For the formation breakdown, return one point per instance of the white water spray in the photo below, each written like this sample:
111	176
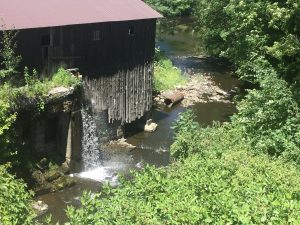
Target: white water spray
91	153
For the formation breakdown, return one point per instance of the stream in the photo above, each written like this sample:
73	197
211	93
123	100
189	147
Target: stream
181	45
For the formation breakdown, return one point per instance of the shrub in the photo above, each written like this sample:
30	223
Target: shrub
235	187
166	76
270	116
186	135
171	8
65	78
218	180
15	201
9	60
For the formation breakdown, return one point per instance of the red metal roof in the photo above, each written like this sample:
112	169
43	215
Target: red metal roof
23	14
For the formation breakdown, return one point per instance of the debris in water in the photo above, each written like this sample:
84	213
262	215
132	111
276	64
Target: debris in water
119	144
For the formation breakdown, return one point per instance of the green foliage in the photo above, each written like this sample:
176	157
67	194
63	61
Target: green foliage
166	76
224	174
8	57
186	133
212	20
34	94
159	55
173	8
15	200
262	39
225	184
270	116
30	79
240	30
65	79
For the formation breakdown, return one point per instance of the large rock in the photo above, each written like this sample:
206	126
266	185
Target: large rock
150	126
60	91
52	175
38	177
62	182
40	208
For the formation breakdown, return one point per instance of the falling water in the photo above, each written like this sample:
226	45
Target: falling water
91	154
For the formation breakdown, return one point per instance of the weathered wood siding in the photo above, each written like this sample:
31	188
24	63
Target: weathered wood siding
123	84
118	66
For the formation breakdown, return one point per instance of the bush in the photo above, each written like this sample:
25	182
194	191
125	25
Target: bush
186	135
270	116
65	78
171	8
234	187
9	60
15	201
166	76
218	180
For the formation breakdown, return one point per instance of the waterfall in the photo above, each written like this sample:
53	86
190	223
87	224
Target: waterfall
91	153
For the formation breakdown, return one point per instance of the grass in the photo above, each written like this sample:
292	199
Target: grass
38	89
166	76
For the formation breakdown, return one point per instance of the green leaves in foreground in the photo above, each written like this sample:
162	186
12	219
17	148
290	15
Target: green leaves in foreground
235	188
15	200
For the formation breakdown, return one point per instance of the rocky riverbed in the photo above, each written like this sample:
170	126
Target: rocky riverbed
199	88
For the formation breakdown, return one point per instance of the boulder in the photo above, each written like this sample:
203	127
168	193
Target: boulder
150	126
38	177
59	91
62	182
64	168
52	175
40	208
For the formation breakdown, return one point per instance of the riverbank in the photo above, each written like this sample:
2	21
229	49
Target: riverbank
150	148
200	88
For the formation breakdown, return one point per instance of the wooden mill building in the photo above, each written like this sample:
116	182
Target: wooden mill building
111	41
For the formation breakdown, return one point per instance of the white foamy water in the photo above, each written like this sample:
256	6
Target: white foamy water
91	154
117	163
100	174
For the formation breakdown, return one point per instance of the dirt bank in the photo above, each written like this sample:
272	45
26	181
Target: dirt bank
199	88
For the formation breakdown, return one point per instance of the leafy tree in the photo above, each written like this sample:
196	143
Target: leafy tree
241	30
9	59
173	8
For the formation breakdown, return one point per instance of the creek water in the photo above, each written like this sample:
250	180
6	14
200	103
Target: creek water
181	45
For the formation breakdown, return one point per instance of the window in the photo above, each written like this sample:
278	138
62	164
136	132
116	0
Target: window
131	31
96	35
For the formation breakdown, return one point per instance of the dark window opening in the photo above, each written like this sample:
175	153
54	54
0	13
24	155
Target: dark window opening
131	31
51	129
45	40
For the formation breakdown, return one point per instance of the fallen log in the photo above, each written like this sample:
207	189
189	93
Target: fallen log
173	98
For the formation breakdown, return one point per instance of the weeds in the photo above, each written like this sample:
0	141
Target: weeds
166	76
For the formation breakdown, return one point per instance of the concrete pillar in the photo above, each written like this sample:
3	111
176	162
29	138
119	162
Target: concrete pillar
73	147
69	144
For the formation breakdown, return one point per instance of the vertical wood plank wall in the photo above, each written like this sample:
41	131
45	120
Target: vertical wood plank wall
123	83
118	67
